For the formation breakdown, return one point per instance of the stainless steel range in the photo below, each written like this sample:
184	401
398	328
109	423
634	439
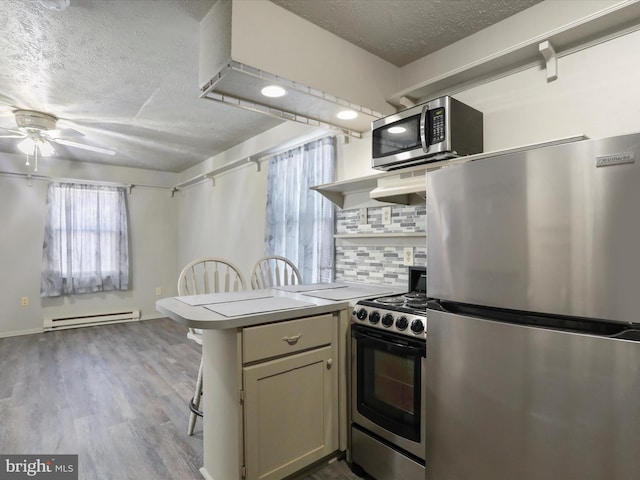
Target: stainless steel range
388	385
402	314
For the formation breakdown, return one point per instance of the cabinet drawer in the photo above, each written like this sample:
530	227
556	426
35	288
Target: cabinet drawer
265	341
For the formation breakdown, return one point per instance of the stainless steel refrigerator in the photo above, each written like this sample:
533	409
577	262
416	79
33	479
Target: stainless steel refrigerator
533	344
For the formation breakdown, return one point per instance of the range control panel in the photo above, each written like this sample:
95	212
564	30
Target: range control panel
397	322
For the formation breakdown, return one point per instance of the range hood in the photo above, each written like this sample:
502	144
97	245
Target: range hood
245	46
409	185
404	188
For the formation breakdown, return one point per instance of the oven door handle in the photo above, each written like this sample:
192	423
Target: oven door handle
389	344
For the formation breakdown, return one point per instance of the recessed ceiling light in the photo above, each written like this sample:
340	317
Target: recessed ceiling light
397	130
273	91
347	115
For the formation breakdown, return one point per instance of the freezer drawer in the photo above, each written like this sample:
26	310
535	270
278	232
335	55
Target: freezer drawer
508	402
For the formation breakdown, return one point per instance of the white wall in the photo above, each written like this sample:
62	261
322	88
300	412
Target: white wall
268	37
533	23
224	220
354	158
153	247
596	94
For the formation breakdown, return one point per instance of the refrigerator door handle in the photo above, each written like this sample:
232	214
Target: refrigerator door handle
601	328
631	334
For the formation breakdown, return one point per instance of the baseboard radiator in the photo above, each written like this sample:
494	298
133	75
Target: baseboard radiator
59	323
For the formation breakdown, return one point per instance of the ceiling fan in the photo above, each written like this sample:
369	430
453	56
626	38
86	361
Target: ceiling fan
38	131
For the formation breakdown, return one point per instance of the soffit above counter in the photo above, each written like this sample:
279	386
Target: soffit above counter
245	46
240	85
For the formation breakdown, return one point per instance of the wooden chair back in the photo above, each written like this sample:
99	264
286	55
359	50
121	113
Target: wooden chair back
209	275
274	271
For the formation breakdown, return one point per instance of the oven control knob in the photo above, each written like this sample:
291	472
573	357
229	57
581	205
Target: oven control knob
417	326
402	323
387	320
374	317
362	314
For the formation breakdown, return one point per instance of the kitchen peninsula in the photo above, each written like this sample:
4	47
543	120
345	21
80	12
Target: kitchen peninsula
274	396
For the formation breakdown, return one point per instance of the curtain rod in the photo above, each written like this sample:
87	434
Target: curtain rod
255	159
212	173
297	145
31	176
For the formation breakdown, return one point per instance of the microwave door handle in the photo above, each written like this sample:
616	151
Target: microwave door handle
423	128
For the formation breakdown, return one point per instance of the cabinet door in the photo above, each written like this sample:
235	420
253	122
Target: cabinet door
290	412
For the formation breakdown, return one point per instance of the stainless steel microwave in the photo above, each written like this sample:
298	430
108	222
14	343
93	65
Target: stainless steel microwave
435	130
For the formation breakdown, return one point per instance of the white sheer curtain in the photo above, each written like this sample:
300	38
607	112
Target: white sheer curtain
299	221
86	241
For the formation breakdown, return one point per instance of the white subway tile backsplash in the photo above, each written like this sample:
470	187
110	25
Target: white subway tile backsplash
374	264
404	219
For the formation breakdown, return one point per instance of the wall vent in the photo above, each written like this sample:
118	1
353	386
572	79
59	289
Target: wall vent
59	323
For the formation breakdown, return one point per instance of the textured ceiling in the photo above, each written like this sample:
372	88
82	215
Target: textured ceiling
401	31
123	74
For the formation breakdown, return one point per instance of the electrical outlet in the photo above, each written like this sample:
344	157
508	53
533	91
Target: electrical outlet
386	215
24	301
408	256
362	216
158	291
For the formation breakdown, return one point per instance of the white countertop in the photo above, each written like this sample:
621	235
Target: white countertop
242	309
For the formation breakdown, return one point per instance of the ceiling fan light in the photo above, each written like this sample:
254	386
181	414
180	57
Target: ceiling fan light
27	146
46	149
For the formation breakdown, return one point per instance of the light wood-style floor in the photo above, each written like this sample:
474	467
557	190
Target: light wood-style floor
116	395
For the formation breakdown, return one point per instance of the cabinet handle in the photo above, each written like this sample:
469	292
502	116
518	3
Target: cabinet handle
329	362
292	340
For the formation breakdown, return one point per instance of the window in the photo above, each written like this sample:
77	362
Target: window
86	244
299	221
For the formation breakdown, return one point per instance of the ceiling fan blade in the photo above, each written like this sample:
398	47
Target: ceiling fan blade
17	132
13	136
64	133
69	143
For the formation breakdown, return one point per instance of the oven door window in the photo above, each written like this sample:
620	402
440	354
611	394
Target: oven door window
388	380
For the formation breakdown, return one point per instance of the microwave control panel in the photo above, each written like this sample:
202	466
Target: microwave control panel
436	117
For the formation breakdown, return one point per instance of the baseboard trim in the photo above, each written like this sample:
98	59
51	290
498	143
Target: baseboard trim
17	333
31	331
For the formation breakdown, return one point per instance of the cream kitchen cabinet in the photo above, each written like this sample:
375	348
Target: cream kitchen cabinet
271	397
290	397
289	414
274	390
